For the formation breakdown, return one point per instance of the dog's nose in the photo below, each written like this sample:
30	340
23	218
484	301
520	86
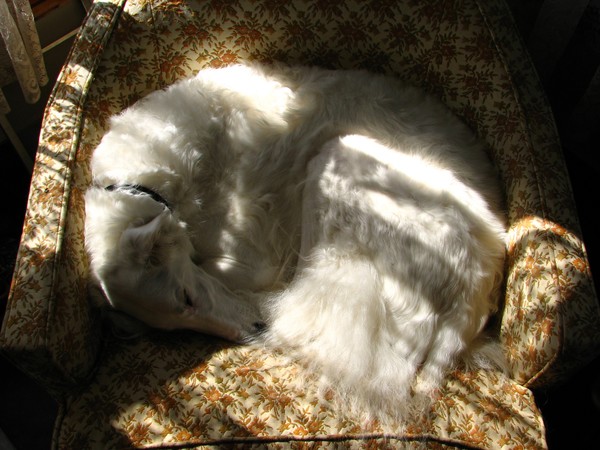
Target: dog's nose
259	327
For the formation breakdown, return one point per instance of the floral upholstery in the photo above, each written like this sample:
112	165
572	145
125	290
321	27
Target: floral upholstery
184	389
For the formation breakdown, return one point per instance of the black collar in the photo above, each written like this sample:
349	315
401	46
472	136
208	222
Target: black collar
138	189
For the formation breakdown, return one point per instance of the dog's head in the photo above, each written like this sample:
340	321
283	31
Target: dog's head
148	272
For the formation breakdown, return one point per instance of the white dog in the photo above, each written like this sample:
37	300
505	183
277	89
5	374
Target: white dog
342	216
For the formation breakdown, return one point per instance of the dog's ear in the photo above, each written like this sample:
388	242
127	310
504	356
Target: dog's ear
141	244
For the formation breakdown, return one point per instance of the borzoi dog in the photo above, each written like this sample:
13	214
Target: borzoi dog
342	216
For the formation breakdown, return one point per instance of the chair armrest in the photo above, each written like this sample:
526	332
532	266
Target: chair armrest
551	319
550	325
49	330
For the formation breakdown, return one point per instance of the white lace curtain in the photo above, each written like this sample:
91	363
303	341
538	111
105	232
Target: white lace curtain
20	51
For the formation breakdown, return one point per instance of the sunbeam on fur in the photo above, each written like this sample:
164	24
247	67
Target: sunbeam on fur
346	219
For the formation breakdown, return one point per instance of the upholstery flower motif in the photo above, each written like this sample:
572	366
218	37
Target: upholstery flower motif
168	389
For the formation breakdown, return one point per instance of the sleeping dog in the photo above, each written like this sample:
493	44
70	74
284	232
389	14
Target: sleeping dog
342	216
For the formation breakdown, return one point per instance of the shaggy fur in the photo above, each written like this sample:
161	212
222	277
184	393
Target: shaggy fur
355	216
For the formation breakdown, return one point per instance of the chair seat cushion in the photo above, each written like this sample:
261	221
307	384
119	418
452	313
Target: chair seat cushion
180	388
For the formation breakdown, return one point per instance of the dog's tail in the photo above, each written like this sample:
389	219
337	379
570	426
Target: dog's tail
486	353
382	363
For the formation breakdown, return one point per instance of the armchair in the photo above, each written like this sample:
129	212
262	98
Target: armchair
180	389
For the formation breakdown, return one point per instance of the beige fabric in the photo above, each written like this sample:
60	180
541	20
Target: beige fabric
168	388
173	388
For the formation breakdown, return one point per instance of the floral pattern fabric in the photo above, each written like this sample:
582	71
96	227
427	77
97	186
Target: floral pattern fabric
170	389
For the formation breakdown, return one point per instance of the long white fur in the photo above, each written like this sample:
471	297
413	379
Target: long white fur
355	215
